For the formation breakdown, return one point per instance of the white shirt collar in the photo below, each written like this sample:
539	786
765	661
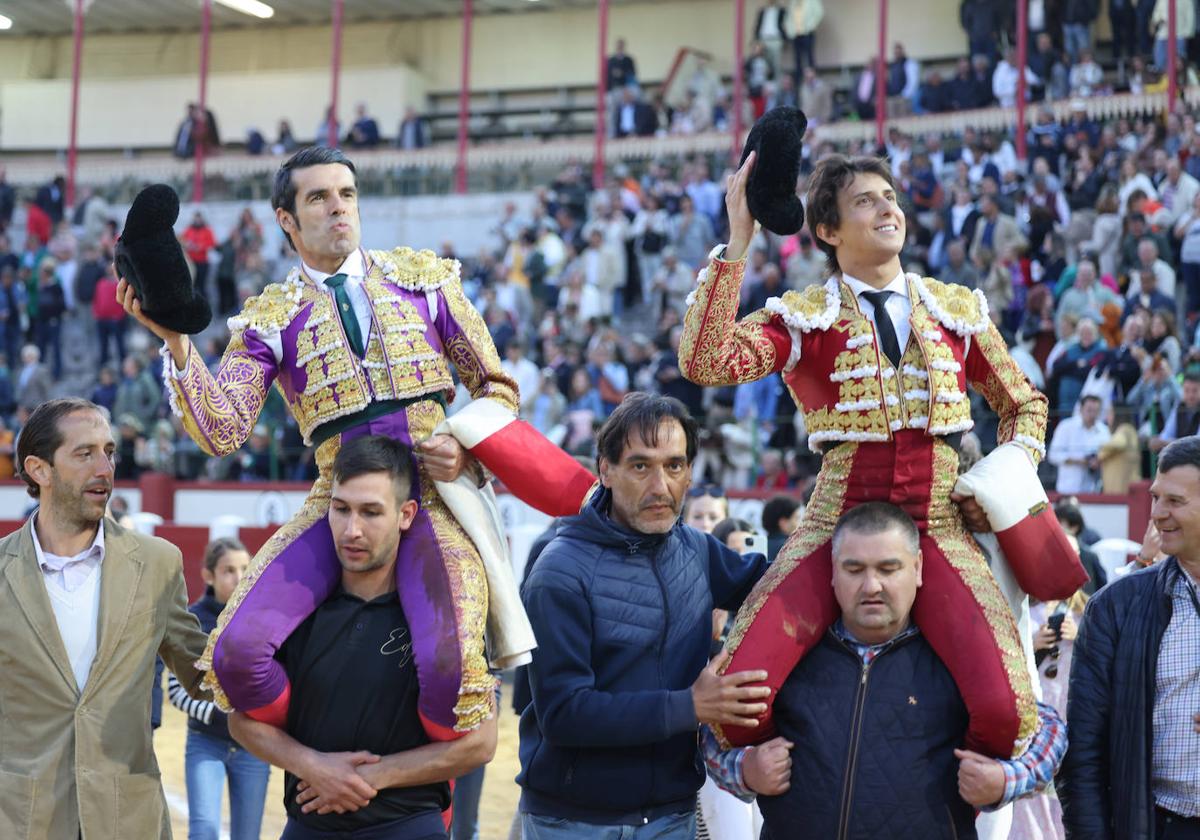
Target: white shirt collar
899	286
97	545
354	266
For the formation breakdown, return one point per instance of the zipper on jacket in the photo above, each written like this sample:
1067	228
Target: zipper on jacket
852	757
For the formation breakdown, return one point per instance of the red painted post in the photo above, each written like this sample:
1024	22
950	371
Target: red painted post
881	75
76	69
1172	58
335	71
200	124
601	97
464	99
1022	59
739	86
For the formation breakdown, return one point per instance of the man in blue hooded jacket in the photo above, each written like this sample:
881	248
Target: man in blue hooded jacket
621	603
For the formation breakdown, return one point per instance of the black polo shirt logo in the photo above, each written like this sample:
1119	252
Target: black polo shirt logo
398	641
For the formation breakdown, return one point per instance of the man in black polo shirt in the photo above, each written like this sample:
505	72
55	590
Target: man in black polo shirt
358	763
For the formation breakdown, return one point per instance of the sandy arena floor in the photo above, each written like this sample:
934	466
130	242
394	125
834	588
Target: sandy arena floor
496	808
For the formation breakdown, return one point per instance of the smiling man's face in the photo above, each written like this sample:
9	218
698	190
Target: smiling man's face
872	225
1175	511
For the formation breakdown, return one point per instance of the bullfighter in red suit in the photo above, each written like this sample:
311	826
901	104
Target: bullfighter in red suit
878	362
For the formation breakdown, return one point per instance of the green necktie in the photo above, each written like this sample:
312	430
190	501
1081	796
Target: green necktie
349	321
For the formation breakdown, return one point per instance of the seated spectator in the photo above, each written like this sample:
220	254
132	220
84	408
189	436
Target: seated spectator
1123	364
364	134
1086	76
957	269
1137	230
781	516
1072	367
414	131
783	94
633	117
1086	296
1184	420
1145	292
994	230
816	98
1105	241
1004	80
935	95
806	265
285	143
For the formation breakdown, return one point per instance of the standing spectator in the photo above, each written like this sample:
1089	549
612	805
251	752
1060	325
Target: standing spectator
329	130
771	29
672	284
185	135
33	380
784	93
1135	679
758	72
138	394
38	227
904	76
691	234
620	70
806	265
47	323
1077	17
414	130
1187	229
806	17
1121	454
524	372
212	758
198	241
1185	29
8	200
1075	448
1123	25
1070	370
615	698
364	134
602	272
105	392
98	602
995	231
109	316
650	229
982	21
816	98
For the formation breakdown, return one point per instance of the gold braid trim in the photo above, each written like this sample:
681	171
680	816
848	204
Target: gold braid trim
468	583
473	352
218	412
314	509
946	528
716	348
1022	408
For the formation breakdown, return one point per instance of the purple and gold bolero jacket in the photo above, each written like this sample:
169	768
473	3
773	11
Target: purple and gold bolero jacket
290	336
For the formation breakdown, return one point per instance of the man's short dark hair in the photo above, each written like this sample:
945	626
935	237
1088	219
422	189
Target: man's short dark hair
283	193
1192	375
875	518
41	435
1088	398
1069	515
1184	452
832	175
218	548
643	413
776	508
376	454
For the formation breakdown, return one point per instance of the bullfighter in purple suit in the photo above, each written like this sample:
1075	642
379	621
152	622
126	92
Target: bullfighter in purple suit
358	342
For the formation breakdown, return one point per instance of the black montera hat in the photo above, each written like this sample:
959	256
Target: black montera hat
149	256
771	193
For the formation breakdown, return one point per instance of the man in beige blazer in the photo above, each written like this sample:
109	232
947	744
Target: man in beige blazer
86	606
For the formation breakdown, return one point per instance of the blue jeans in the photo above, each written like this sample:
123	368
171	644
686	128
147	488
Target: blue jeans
1160	51
1076	37
467	790
208	761
674	827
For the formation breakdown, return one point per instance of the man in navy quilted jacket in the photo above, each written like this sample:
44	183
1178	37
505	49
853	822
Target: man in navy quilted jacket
621	602
871	724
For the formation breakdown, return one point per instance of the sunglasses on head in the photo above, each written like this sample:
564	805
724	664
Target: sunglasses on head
714	490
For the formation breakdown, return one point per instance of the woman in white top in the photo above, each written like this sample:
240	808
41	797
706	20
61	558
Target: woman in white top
1106	233
1131	180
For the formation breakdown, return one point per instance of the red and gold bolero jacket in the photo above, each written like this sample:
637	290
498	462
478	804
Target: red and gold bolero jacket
847	390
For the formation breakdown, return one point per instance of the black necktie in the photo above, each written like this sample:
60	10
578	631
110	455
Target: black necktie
883	326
